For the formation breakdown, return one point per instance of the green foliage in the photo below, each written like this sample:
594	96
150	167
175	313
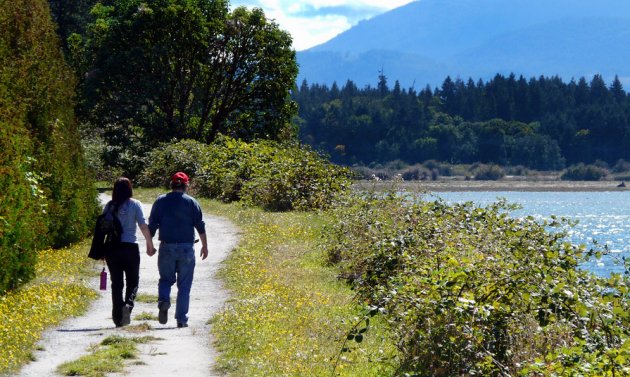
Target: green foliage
58	291
582	172
274	176
621	166
160	70
473	291
186	155
47	197
70	16
489	173
289	312
541	123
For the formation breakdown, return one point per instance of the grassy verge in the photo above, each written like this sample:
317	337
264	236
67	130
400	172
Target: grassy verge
289	315
60	290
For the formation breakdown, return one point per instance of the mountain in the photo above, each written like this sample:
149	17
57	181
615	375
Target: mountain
424	41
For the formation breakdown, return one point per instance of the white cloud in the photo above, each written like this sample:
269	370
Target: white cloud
312	22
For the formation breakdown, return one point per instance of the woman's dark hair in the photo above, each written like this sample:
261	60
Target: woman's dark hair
123	190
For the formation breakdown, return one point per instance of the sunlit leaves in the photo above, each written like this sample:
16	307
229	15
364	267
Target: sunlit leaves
47	198
160	70
268	174
472	290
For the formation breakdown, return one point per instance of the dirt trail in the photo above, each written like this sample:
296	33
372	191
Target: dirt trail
187	351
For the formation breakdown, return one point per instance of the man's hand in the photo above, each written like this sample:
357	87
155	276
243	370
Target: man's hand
151	250
204	252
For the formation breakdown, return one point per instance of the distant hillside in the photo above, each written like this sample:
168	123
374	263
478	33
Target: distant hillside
425	41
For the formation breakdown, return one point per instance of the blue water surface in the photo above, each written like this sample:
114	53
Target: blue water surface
602	216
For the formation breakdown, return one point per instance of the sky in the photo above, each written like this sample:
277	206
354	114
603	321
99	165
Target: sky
312	22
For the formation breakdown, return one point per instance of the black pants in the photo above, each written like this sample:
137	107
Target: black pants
123	262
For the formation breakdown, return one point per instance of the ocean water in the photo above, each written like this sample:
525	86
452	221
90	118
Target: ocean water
603	217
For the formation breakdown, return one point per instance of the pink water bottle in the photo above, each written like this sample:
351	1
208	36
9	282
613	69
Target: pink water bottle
103	280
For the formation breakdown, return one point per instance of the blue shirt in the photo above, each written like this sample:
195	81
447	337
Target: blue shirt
129	213
176	215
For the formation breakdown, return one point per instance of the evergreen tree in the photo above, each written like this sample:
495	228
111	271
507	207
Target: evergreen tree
484	121
47	197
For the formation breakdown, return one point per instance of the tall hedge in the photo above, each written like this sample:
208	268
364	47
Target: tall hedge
47	197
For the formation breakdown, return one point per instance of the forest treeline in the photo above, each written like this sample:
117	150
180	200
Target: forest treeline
541	123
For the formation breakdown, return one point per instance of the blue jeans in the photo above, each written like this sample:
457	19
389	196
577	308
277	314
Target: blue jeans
176	263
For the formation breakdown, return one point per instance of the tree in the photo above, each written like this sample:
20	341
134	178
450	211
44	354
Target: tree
616	88
163	69
71	16
47	198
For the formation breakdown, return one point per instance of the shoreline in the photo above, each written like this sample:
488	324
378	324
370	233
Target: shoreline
505	184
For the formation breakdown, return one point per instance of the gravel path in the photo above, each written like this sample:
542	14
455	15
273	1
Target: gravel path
187	351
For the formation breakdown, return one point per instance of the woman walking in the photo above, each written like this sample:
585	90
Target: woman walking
123	259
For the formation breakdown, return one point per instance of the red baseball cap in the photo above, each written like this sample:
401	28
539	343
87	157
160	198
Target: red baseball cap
179	178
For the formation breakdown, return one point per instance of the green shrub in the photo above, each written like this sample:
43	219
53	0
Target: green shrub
22	216
621	166
187	156
292	177
582	172
418	172
472	291
443	168
47	197
94	148
370	173
228	166
489	173
274	176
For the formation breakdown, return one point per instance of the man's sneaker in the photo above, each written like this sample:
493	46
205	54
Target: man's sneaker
181	324
126	316
163	315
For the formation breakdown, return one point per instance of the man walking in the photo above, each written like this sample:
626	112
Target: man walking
177	215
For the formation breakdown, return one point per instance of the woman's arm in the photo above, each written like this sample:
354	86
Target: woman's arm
144	228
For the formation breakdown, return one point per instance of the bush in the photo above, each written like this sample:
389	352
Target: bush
267	174
292	177
582	172
416	173
369	173
472	291
187	156
48	197
94	148
621	166
442	168
519	170
489	173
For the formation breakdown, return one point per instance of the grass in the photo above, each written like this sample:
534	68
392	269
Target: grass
59	290
289	315
145	316
146	298
107	357
139	328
